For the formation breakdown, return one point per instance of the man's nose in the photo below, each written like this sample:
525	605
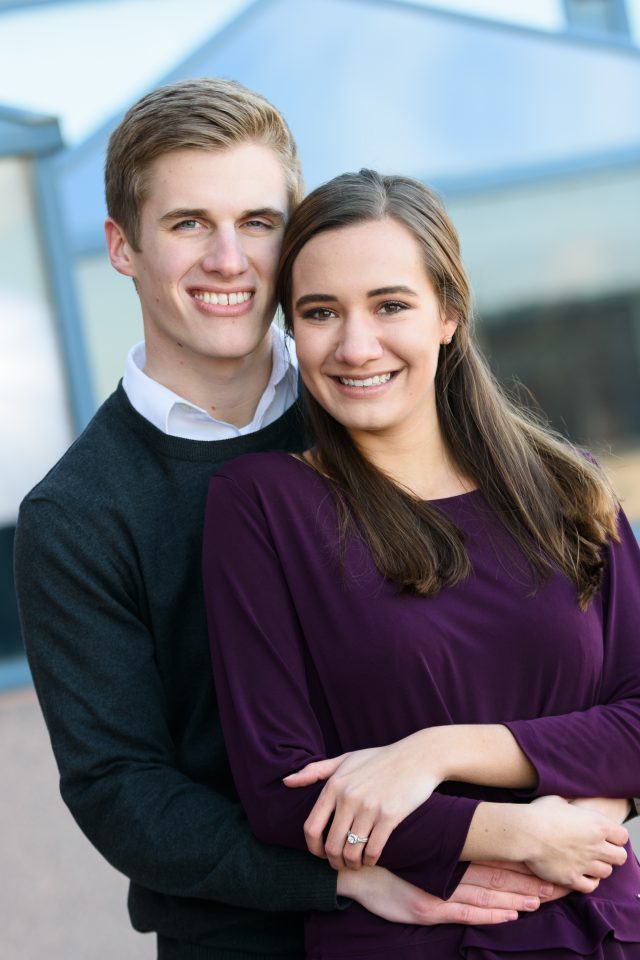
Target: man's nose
226	254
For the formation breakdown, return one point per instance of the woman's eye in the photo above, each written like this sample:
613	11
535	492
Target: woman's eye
318	313
392	306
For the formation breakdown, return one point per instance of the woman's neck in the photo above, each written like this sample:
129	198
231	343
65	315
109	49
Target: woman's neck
422	465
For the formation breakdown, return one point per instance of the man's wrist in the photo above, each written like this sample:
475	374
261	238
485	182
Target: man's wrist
347	883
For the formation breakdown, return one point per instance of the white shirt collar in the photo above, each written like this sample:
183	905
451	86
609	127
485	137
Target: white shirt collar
178	417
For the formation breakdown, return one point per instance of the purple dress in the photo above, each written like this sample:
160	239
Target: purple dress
314	656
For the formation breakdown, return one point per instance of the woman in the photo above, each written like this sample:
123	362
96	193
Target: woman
438	573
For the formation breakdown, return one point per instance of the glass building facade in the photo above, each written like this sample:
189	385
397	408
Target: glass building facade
532	136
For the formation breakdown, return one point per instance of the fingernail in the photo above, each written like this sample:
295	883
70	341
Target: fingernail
546	890
512	915
531	903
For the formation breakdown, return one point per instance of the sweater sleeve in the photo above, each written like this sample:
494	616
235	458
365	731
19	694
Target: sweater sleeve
91	651
271	730
596	752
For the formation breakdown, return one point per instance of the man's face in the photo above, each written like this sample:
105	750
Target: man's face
210	237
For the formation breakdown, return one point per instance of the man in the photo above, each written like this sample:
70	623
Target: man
200	178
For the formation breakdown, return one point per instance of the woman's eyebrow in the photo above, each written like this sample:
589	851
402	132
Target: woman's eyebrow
315	298
382	291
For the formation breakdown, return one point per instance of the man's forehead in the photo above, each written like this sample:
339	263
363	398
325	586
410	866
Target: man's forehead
242	178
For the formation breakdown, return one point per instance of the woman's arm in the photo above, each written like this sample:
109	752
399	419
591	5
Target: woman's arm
581	754
260	669
558	841
597	751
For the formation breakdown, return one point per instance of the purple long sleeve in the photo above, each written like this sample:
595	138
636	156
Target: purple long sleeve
596	751
267	703
315	653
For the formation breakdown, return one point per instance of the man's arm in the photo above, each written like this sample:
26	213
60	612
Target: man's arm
94	666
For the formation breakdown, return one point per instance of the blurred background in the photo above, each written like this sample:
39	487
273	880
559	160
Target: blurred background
524	115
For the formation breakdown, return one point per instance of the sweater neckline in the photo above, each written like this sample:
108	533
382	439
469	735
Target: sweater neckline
207	450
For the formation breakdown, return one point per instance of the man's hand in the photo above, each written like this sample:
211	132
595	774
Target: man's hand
488	893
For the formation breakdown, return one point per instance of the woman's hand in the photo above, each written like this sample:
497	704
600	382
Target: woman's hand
369	792
561	842
611	807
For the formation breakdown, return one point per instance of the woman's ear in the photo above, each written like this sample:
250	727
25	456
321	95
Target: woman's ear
449	326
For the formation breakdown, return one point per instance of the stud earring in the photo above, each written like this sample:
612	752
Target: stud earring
446	341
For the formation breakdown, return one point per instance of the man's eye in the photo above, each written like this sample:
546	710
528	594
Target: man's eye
392	306
187	225
258	224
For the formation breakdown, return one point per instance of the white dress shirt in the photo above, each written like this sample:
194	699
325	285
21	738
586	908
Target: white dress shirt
179	418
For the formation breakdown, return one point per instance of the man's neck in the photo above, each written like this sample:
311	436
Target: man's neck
229	390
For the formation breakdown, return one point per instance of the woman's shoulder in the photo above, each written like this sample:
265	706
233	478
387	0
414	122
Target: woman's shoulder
276	473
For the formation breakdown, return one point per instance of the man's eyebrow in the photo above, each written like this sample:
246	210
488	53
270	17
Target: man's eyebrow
383	291
315	298
183	213
199	213
278	216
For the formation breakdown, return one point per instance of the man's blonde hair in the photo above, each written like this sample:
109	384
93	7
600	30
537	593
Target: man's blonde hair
203	114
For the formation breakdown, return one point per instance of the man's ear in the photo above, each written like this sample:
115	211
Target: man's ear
119	248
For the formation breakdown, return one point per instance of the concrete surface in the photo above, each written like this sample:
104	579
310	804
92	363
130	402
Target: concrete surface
60	900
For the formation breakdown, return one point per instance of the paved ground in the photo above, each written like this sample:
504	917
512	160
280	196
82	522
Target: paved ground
60	900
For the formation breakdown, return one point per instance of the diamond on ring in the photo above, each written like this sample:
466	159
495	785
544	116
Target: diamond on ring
354	838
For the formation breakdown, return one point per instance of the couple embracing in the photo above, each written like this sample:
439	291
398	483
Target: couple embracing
420	735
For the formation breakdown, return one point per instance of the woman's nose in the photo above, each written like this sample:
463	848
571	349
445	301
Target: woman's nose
358	343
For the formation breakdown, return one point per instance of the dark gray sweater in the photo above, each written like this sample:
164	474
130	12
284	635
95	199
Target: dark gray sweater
109	586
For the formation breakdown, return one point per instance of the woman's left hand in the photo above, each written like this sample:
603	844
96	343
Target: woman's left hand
369	792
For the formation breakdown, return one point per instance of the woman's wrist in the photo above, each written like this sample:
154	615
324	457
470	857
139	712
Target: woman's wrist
485	754
501	831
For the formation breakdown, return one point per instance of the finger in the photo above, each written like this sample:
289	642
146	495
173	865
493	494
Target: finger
614	854
585	884
353	853
618	834
494	899
316	822
497	877
598	870
450	912
508	865
336	841
378	837
315	771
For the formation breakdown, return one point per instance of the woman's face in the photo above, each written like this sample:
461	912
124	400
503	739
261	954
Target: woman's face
368	328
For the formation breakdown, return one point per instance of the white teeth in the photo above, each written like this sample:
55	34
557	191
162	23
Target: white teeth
223	299
369	382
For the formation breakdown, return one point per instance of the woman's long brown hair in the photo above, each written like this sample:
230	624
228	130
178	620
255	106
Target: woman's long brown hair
554	501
